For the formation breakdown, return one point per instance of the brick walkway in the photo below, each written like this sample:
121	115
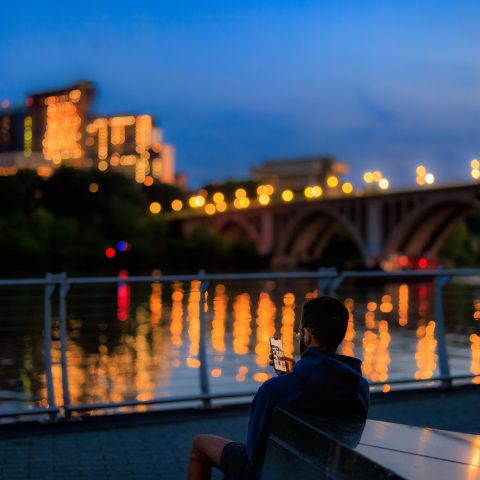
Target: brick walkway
156	446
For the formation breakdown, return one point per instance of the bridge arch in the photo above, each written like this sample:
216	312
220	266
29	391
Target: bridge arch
307	234
237	229
426	227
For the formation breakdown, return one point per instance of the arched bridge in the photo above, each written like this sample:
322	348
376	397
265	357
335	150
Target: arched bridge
410	222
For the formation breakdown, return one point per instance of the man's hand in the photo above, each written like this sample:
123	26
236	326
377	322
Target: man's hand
289	362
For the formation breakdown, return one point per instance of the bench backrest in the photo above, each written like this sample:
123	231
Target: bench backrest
320	448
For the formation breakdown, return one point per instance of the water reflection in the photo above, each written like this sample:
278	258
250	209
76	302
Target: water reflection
176	313
220	303
241	324
288	323
156	304
265	329
155	350
425	355
348	345
193	321
123	297
403	305
376	355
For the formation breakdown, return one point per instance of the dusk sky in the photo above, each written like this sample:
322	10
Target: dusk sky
377	84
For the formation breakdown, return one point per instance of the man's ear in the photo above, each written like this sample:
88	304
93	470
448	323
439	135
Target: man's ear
307	337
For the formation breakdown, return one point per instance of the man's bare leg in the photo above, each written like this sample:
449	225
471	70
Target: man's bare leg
206	452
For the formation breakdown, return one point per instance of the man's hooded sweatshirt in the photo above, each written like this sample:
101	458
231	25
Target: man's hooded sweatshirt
322	383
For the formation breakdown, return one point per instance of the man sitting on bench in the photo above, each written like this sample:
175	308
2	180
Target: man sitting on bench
322	382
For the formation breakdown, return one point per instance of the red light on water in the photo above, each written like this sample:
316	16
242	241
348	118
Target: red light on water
110	252
123	297
423	263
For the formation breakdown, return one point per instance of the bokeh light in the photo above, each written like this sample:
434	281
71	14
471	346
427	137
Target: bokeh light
264	199
155	207
210	209
177	205
122	246
287	195
368	177
218	197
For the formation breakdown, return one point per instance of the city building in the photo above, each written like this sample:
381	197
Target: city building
297	173
56	128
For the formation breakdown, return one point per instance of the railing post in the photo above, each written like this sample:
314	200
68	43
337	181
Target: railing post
202	351
64	287
336	282
440	282
47	339
324	282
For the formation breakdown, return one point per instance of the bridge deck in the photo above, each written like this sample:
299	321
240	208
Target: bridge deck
156	446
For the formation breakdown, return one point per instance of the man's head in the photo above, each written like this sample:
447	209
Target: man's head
324	323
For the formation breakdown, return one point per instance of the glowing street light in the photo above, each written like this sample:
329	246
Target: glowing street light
221	206
376	177
210	209
423	176
475	164
421	171
383	183
218	197
332	181
196	201
368	177
287	195
347	188
269	189
429	179
177	205
240	193
264	199
155	207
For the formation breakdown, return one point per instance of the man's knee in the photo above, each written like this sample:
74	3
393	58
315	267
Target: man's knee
198	444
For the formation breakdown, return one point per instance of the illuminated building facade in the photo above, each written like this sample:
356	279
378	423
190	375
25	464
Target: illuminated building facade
295	173
55	128
130	144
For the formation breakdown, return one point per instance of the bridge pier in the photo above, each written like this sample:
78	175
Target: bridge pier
266	233
373	243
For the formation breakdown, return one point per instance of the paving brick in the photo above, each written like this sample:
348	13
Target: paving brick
160	451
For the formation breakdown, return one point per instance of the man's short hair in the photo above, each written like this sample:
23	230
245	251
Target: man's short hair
327	318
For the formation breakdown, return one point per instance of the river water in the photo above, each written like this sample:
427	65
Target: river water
142	341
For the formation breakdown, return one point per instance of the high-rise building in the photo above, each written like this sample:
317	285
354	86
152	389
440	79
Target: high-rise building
56	128
296	173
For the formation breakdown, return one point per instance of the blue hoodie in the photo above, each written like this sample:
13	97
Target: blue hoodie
321	382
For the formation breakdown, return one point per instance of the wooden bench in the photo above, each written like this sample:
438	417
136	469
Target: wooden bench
308	449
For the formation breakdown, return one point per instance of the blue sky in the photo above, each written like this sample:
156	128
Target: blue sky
378	84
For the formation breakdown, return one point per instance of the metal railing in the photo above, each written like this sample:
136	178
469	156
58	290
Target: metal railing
57	286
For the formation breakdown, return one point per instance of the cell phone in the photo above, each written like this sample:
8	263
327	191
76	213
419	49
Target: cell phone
276	347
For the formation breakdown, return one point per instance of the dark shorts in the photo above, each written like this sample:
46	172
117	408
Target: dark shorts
234	462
